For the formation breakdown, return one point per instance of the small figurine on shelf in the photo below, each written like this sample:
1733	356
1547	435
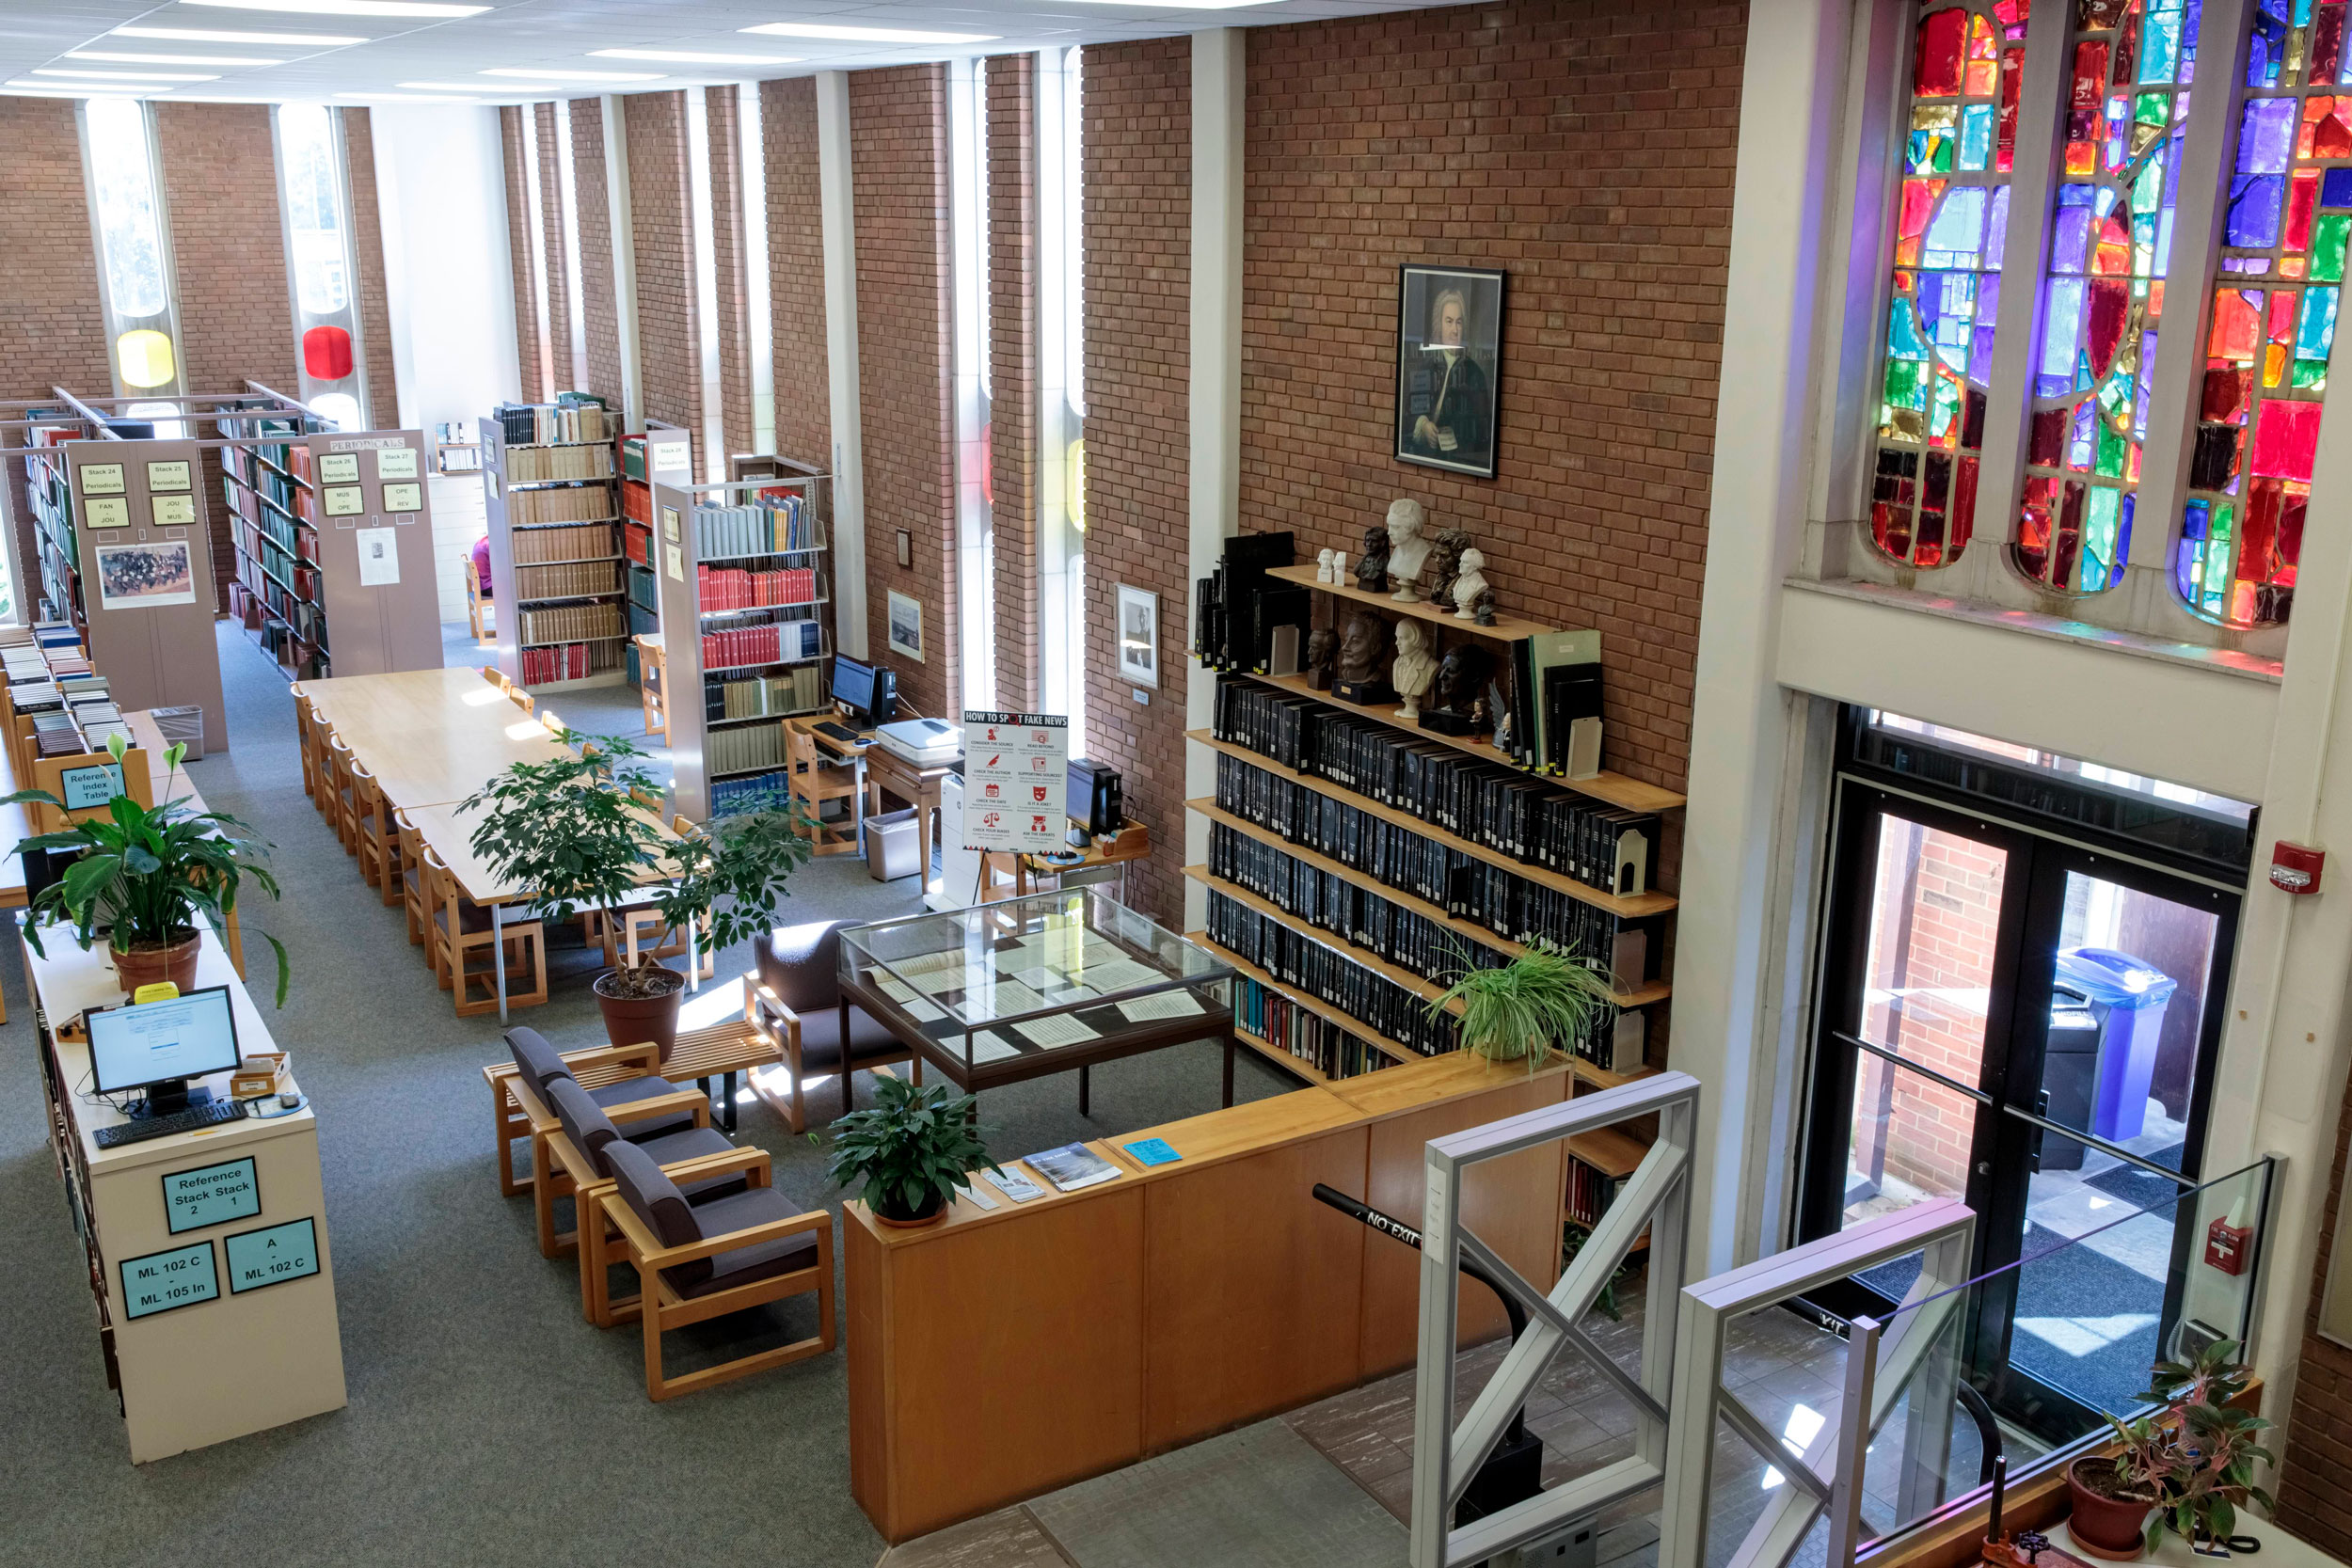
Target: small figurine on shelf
1460	675
1467	586
1372	572
1339	565
1323	651
1323	568
1414	669
1362	635
1483	608
1445	562
1409	552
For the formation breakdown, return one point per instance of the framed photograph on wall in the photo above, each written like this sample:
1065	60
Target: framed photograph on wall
146	576
1449	366
1138	637
906	625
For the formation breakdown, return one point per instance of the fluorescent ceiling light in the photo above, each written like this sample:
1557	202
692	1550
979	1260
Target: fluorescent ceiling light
124	75
409	97
451	87
692	56
215	35
171	59
426	8
73	89
534	73
1182	4
866	35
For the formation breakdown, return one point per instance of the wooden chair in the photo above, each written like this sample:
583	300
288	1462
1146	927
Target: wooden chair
497	678
378	842
306	742
815	781
462	959
476	603
644	928
698	1263
344	794
653	685
625	1073
794	998
322	759
676	1114
412	898
521	698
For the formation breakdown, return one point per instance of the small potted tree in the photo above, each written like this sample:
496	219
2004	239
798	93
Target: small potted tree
144	877
2188	1467
911	1153
580	834
1541	1000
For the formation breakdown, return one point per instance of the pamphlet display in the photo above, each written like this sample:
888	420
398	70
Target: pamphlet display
210	1195
1016	781
167	1281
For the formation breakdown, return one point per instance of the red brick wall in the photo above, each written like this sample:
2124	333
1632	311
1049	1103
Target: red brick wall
1138	149
599	300
2315	1500
898	168
367	245
511	123
1012	283
796	271
52	331
1584	146
726	205
550	222
661	211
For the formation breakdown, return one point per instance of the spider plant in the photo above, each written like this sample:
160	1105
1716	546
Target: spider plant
1544	999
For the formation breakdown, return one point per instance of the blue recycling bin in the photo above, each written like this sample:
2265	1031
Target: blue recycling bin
2127	996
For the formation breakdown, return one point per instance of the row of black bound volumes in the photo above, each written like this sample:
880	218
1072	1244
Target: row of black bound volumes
1314	1040
1510	812
1466	887
1297	961
1237	609
1590	1193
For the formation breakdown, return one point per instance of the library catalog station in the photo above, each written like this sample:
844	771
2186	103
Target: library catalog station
1175	783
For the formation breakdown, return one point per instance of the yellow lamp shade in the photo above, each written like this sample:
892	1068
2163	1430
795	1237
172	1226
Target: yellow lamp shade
1074	483
145	359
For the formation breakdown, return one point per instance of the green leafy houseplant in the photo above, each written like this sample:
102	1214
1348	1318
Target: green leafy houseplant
911	1152
1525	1009
2190	1465
145	874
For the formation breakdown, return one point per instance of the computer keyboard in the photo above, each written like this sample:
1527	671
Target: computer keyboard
194	1119
841	733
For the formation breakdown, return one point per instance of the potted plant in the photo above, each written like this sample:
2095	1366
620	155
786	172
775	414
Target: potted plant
577	834
144	877
1526	1008
2188	1467
913	1151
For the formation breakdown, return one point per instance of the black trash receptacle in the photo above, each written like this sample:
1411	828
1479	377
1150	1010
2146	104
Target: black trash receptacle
2070	1075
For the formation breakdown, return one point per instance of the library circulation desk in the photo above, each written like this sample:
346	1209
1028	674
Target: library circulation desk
226	1326
1002	1353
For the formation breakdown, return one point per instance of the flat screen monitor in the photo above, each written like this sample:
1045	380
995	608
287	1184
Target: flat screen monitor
157	1044
853	684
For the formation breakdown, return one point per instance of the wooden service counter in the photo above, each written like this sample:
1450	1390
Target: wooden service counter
1000	1354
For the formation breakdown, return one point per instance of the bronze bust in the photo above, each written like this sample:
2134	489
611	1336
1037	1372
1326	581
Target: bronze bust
1362	638
1372	568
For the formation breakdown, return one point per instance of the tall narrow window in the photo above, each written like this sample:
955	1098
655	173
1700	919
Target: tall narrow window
759	307
1061	387
317	211
535	244
704	216
1953	206
134	246
2274	321
568	203
976	578
2110	240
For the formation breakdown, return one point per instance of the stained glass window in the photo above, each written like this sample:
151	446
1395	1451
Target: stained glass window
2110	239
2274	320
1953	209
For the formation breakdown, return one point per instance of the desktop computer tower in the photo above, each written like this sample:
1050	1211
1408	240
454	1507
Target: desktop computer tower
1096	799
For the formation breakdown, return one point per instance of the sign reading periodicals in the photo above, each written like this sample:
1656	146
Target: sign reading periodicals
210	1195
1016	778
167	1281
169	476
272	1255
396	462
101	479
339	469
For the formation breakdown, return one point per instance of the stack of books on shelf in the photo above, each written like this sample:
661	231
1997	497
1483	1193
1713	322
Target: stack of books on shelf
1327	974
570	503
563	543
774	643
748	750
572	661
538	465
1273	1018
1590	1193
568	623
772	524
734	588
797	690
578	580
538	424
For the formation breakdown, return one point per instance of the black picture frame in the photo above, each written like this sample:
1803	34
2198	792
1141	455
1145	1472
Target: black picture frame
1449	404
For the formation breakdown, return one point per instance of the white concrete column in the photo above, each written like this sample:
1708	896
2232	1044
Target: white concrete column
1213	405
1791	139
849	445
624	244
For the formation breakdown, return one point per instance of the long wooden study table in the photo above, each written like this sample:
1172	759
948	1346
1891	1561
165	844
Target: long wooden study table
1002	1353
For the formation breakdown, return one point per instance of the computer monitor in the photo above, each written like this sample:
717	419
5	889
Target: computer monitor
159	1046
853	685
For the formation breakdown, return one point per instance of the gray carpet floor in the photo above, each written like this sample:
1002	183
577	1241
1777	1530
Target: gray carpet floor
487	1423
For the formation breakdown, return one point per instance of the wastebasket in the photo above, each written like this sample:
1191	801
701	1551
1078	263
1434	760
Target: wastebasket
2069	1073
891	849
182	725
2127	996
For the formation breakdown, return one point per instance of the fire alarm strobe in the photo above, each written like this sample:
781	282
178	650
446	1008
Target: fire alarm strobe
2296	868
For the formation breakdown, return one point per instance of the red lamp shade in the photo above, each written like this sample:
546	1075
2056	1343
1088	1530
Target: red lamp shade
326	354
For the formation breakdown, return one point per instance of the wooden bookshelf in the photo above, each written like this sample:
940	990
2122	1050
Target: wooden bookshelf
512	523
1614	789
1507	629
1636	908
1387	1047
1611	1150
1281	1058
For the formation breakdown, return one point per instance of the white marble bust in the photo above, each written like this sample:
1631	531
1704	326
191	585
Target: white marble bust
1415	667
1409	552
1467	586
1323	568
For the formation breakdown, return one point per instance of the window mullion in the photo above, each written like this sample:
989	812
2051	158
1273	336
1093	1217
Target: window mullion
2207	149
2025	261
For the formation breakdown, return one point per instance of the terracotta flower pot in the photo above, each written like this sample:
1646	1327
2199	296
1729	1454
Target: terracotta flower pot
143	966
2110	1528
634	1019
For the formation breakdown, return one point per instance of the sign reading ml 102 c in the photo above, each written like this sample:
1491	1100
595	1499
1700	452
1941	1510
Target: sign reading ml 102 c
210	1195
165	1281
272	1255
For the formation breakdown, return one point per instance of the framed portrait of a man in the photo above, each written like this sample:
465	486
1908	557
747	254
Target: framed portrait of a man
1449	366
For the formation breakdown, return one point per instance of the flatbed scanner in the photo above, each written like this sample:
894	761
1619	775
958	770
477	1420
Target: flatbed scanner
924	742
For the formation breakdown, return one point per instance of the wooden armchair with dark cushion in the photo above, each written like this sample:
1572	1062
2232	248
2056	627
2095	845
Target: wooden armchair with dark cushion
618	1075
698	1262
581	1165
795	1000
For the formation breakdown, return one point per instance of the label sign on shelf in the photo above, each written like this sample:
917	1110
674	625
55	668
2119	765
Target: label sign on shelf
169	476
101	479
210	1195
173	511
166	1281
345	500
396	462
404	498
274	1255
1016	781
106	511
339	469
379	557
664	456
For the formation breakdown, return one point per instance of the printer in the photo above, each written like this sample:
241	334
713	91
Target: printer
924	742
